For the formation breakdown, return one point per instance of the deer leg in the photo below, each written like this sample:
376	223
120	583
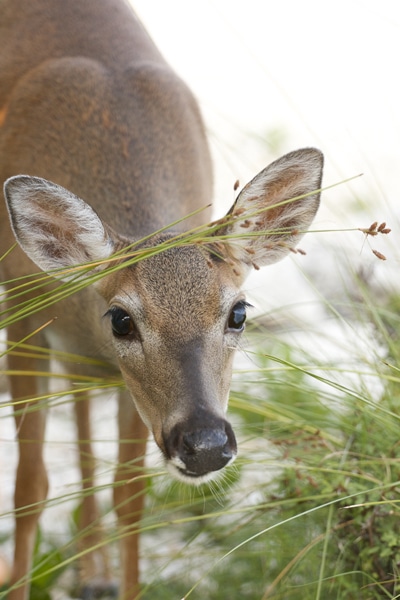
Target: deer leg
129	492
31	479
93	562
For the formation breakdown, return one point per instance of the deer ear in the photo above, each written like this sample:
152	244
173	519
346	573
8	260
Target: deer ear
55	228
274	210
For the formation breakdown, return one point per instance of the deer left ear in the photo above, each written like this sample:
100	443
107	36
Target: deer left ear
55	228
273	211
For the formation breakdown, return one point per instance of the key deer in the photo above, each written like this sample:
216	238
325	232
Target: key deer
101	145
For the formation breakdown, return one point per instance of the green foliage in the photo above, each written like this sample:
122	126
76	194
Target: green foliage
46	568
335	529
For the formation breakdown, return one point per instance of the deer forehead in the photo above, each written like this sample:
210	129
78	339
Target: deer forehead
183	287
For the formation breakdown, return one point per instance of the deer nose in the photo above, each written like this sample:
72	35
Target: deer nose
200	451
206	450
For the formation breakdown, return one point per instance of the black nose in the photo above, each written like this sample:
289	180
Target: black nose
196	452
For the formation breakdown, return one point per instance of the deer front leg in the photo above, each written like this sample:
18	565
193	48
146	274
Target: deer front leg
129	492
31	479
93	562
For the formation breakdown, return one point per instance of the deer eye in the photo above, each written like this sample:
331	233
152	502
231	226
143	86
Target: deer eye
237	316
121	323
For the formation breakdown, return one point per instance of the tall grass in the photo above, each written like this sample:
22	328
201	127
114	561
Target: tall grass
310	509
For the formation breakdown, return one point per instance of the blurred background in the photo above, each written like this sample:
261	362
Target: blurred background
274	76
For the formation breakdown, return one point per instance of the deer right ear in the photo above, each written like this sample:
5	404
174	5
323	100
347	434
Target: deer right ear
273	211
55	228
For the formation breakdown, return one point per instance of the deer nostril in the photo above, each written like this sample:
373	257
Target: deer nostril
187	445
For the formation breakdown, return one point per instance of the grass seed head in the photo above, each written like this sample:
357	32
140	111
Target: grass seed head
379	255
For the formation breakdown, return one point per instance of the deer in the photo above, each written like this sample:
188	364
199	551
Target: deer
102	148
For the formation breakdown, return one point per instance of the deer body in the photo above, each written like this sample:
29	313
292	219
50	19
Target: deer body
101	144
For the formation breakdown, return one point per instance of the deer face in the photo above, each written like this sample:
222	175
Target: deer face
176	319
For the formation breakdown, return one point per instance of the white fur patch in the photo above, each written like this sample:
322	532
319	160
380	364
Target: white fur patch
176	468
